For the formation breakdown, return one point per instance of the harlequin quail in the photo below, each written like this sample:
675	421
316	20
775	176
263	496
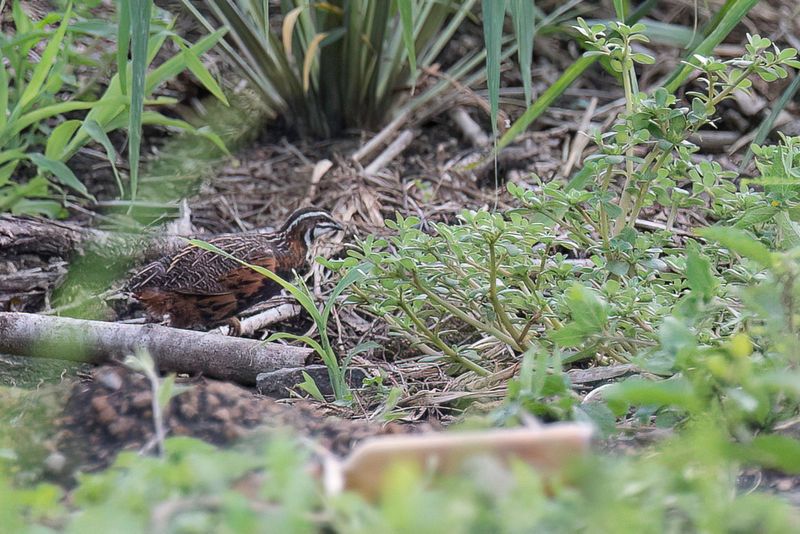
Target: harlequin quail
198	288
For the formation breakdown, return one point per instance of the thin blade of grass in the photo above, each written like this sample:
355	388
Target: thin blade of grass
201	73
493	14
3	95
406	9
97	133
63	173
140	29
545	99
522	13
736	11
766	125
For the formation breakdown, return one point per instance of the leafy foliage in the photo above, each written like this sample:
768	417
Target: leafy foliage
36	139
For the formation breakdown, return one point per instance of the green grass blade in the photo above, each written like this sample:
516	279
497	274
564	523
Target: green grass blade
174	65
493	14
201	72
545	99
522	13
766	125
3	95
99	135
140	30
123	42
46	62
59	137
405	8
733	16
621	9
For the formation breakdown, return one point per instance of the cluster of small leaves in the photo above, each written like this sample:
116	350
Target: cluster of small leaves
503	284
649	145
614	45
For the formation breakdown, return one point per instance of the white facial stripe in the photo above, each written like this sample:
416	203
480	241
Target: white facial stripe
309	215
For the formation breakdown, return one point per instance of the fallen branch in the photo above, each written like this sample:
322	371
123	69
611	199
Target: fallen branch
27	235
391	152
174	350
472	130
382	136
259	321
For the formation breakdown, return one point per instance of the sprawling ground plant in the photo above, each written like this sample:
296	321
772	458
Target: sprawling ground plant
569	272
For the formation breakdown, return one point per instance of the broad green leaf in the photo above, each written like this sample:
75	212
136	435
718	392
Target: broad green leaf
790	231
587	308
774	451
60	170
570	335
199	70
174	65
740	242
675	392
699	274
675	337
309	386
59	137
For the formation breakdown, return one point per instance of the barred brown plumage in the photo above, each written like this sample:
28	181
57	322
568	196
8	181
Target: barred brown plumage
198	288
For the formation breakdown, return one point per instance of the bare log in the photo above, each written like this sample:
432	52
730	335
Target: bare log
225	358
29	235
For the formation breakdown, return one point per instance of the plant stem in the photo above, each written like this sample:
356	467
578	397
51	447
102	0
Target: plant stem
444	347
499	334
625	199
496	305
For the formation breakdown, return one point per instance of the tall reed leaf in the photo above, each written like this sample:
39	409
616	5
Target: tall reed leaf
522	12
493	14
140	30
545	99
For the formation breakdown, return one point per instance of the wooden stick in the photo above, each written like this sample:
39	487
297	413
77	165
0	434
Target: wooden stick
382	136
185	351
472	130
391	152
